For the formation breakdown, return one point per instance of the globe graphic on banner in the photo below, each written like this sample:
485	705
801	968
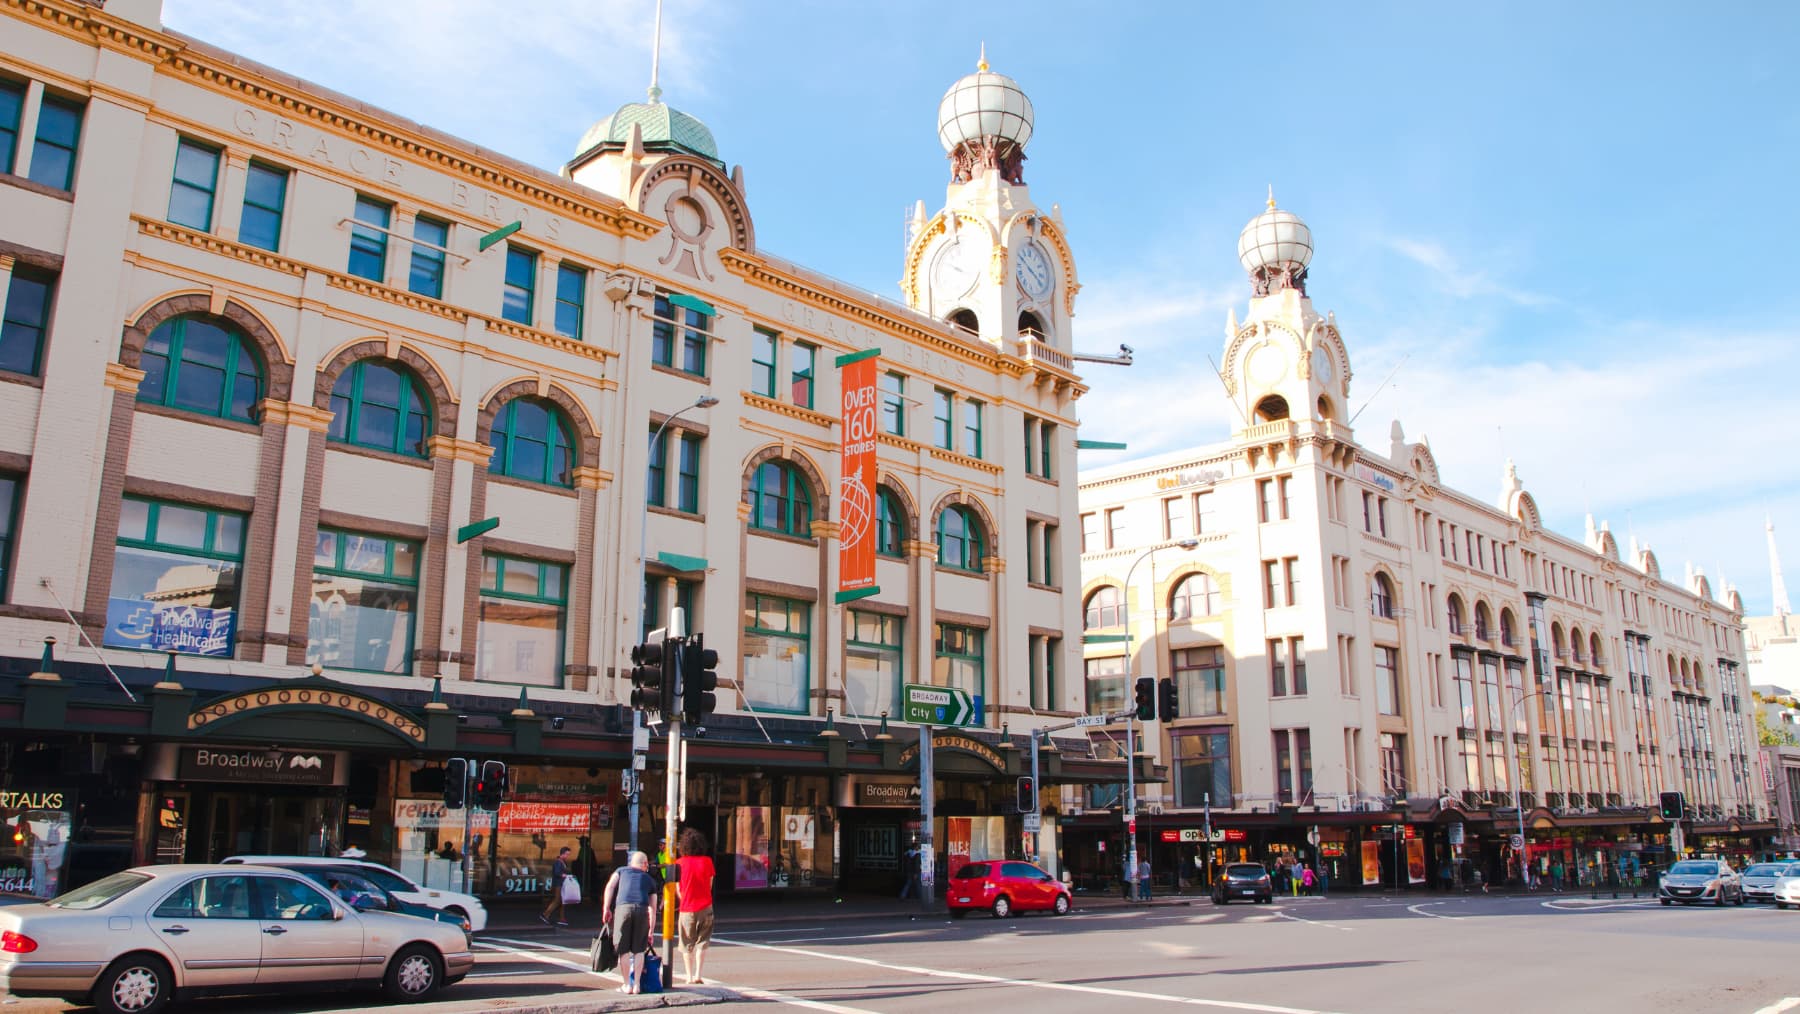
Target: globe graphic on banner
856	509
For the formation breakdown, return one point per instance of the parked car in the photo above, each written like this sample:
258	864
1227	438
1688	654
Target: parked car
1243	880
133	942
1787	886
1759	880
392	881
1696	880
360	892
1005	888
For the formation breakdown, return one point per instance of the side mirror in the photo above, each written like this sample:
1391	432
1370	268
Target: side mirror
337	914
366	903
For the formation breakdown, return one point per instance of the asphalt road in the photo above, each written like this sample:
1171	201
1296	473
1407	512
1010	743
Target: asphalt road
1368	954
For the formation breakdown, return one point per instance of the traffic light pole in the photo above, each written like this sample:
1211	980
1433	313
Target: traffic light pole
468	861
1131	855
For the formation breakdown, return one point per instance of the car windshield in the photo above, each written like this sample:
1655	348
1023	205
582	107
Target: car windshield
1765	870
100	892
1695	869
1244	872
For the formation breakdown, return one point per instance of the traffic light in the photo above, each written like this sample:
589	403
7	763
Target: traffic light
647	677
1145	692
699	678
490	785
1028	798
1674	806
456	783
1166	703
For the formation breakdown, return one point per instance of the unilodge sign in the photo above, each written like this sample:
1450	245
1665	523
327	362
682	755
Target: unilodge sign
286	767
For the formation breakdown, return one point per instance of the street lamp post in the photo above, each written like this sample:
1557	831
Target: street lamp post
637	717
1131	858
1518	784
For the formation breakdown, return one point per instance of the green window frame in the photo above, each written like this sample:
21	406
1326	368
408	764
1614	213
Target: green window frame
25	320
58	134
687	596
959	658
379	404
520	286
672	313
762	363
156	533
519	594
425	275
943	419
368	239
960	540
893	404
12	111
971	426
531	441
780	500
687	475
890	523
776	675
1046	448
10	487
874	654
195	180
265	198
656	479
571	299
202	365
369	583
802	367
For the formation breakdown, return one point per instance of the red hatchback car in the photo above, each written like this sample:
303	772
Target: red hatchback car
1004	888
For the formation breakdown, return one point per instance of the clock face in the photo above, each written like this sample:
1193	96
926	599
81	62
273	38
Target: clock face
1321	365
1267	364
1034	272
955	270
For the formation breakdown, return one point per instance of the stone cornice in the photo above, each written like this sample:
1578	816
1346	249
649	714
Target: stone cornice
545	338
222	247
396	297
471	451
807	415
293	413
965	461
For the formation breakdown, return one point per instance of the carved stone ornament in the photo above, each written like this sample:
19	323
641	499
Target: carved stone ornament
989	152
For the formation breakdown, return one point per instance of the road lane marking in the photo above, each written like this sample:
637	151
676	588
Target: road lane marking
1776	1008
1068	987
765	995
1415	910
1590	905
1315	922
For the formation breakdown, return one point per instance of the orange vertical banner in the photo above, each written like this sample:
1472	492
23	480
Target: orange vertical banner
856	485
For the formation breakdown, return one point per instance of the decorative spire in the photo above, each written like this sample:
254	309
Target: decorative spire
1271	197
656	56
1779	587
982	64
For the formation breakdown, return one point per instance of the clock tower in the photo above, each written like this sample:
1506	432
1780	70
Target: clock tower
991	262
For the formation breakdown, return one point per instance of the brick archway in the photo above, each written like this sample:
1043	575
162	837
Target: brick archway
587	450
443	401
278	372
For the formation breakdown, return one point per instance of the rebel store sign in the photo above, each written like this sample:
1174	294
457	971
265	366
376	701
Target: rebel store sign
286	767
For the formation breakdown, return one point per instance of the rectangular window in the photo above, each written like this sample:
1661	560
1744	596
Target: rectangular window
175	579
520	286
1297	655
1090	532
687	594
1176	522
1387	680
426	274
681	322
762	363
1046	448
1381	515
1115	527
571	299
265	197
1203	514
1290	568
777	670
874	647
25	321
1265	500
1271	584
1368	511
802	360
1202	767
1105	685
9	520
365	596
687	475
523	616
959	660
1277	667
656	479
1284	494
1393	764
893	404
196	178
12	110
1346	659
1199	680
58	130
943	420
368	247
971	425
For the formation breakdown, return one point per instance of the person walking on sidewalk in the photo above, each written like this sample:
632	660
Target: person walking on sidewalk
694	892
628	907
553	912
1307	881
1143	879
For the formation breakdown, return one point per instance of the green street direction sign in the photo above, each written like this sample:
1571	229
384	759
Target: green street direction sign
928	705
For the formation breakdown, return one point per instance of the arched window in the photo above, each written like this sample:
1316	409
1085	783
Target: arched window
1484	622
1454	609
966	320
1197	595
1594	650
1325	408
1508	628
531	442
379	404
780	500
1575	644
1032	326
1104	608
890	523
201	364
1273	408
1381	596
959	539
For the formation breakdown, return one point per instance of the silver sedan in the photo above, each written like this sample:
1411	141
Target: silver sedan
134	941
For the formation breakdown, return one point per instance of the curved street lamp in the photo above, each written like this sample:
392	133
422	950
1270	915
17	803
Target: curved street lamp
1131	718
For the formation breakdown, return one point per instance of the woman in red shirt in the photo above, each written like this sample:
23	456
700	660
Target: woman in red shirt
695	893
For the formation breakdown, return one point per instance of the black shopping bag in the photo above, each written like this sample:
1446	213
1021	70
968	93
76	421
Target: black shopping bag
602	956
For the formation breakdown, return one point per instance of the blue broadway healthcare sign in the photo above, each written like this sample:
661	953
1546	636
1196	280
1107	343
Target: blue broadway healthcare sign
157	626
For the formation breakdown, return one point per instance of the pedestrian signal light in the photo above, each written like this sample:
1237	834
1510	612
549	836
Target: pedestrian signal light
490	785
1145	694
699	678
647	676
1166	703
1674	806
1028	800
456	783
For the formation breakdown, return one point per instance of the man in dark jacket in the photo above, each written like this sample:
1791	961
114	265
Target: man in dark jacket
558	870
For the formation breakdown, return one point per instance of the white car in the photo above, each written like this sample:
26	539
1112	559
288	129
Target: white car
466	905
1787	887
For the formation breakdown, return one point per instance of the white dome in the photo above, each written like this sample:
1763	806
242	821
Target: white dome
1275	239
984	104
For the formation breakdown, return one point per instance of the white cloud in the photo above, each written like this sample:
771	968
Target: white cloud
1456	280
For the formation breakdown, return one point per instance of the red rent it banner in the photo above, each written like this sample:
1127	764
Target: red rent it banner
524	818
856	488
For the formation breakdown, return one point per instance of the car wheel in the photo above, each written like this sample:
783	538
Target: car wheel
134	984
1719	899
1003	907
413	974
1267	899
1062	904
1780	905
1666	901
1740	898
457	910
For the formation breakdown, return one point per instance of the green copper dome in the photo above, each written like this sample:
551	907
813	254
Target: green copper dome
663	126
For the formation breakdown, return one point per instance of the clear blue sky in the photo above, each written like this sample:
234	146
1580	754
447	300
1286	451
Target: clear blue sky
1574	221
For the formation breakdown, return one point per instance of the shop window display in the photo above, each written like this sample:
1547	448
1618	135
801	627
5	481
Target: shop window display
175	578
